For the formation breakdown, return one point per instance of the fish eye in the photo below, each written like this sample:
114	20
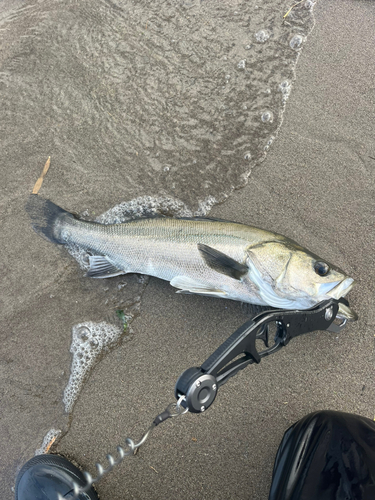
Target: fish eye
321	268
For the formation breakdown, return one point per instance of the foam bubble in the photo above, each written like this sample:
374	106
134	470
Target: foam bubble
296	42
269	142
48	440
285	88
262	36
89	341
267	116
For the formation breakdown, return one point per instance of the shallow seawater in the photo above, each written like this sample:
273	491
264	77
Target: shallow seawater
180	98
176	101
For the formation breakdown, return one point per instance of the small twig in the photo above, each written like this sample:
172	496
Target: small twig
292	7
39	182
52	440
154	469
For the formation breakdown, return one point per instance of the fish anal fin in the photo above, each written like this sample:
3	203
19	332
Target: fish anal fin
189	285
222	263
101	267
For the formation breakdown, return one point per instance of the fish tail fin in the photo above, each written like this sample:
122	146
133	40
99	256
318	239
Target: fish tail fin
45	217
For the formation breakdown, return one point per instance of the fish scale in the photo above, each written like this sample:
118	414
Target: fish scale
166	247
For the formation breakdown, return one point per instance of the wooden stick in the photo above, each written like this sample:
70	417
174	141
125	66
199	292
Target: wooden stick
292	7
39	182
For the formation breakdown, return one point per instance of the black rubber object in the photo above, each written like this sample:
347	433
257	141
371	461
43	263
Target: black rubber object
43	476
327	455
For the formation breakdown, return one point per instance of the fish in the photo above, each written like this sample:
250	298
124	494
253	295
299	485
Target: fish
198	255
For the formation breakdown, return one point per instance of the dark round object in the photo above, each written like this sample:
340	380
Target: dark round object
44	476
321	268
200	389
327	455
201	394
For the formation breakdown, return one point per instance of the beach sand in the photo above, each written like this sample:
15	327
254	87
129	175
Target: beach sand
317	186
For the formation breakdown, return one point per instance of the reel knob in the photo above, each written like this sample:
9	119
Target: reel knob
199	388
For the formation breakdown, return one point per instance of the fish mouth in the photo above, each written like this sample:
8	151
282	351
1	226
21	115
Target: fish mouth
342	289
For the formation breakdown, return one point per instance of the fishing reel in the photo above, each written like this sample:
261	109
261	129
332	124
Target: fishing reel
197	387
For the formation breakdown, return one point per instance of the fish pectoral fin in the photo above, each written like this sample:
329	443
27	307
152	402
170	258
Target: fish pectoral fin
190	285
222	263
101	267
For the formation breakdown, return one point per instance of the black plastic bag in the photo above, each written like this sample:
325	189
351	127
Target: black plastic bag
326	455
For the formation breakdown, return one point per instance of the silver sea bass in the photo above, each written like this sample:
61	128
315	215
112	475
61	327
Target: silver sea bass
208	257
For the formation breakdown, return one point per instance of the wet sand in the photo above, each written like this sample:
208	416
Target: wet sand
316	186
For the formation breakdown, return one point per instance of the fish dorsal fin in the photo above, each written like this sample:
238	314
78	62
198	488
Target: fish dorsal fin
190	285
101	267
222	263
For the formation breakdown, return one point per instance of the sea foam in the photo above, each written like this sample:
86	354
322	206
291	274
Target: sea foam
89	341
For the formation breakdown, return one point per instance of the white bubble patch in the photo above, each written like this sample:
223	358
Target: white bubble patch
241	64
89	340
48	441
142	207
262	36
